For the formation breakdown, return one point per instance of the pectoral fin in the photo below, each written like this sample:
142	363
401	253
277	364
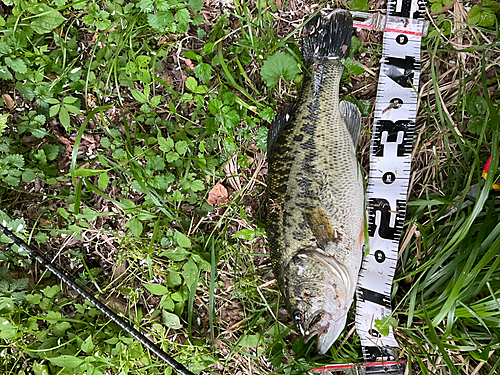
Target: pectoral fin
352	118
321	228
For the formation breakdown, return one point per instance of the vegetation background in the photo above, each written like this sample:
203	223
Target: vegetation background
132	150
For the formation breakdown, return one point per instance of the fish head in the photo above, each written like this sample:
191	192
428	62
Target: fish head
318	291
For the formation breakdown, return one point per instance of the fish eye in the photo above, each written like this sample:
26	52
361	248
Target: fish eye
298	316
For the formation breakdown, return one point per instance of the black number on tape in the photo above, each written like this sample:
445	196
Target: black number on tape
388	178
379	256
384	226
375	297
402	39
401	70
402	8
393	128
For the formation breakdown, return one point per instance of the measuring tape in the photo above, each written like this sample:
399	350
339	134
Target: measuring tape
390	164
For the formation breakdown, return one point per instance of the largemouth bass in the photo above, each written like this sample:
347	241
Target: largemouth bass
315	190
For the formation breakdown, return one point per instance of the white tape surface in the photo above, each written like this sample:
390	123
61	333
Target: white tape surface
390	163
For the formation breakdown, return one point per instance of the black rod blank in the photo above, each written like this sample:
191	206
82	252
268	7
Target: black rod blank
98	304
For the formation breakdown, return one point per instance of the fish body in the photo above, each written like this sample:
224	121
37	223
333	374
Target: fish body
315	190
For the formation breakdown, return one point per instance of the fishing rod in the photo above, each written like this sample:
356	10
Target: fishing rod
35	254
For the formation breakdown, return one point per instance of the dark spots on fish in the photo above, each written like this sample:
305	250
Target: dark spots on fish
298	138
309	127
299	236
304	184
307	165
309	144
302	205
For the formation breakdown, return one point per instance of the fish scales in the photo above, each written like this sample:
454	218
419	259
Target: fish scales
315	190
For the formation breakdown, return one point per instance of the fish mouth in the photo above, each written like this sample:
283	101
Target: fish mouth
326	328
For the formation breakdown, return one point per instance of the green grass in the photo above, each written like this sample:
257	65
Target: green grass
128	114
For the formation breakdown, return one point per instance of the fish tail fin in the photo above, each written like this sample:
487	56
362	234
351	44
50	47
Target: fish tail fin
328	39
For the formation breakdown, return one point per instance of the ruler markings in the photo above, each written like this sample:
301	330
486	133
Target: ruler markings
390	168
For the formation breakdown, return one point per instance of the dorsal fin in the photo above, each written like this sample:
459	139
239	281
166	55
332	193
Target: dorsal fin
352	118
283	117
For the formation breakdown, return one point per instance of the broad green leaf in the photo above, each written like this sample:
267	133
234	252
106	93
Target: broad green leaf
54	110
83	172
146	6
182	16
156	164
69	100
197	185
172	156
177	254
359	5
195	5
249	341
165	145
182	240
5	74
203	72
385	323
281	64
40	369
7	329
198	19
191	83
436	8
261	139
33	299
16	65
211	125
139	96
245	234
135	226
53	317
173	278
475	105
48	18
51	291
66	361
181	147
171	320
475	15
73	109
51	151
353	67
15	160
156	289
103	180
88	345
41	237
214	105
64	118
190	273
161	20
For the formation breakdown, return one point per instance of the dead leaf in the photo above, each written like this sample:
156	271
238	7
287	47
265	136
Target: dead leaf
190	64
9	102
119	270
218	196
